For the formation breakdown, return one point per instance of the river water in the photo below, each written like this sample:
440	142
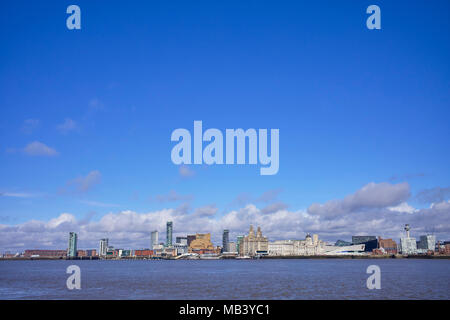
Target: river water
226	279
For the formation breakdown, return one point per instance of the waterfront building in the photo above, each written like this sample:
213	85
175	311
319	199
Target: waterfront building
312	246
201	244
225	240
181	248
81	253
253	245
72	250
341	243
355	249
190	238
447	249
125	253
112	253
91	253
103	247
182	240
231	247
169	230
408	245
427	243
370	242
239	240
309	246
143	253
387	246
169	252
158	252
282	247
153	239
45	253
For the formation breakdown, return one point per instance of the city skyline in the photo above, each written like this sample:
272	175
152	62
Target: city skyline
253	244
355	239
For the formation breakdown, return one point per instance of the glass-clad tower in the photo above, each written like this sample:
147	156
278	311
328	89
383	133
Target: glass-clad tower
72	250
169	229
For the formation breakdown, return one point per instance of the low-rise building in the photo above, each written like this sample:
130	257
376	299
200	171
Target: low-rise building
143	253
355	249
91	252
182	240
369	242
307	247
181	248
202	242
386	246
45	253
81	253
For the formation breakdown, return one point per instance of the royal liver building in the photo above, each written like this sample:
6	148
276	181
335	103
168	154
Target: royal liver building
253	245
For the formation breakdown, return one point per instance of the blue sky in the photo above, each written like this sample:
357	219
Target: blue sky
353	106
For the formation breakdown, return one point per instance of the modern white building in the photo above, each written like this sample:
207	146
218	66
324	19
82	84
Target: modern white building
355	249
153	239
181	248
103	247
311	246
181	240
427	242
408	245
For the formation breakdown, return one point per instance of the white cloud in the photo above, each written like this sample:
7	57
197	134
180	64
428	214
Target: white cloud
403	207
130	229
37	148
371	196
67	126
64	218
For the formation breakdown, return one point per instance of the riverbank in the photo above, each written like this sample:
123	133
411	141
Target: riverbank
228	258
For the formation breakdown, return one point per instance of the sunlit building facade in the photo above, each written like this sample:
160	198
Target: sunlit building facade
254	244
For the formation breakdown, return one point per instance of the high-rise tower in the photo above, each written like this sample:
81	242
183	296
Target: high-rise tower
72	250
154	240
225	240
169	229
103	247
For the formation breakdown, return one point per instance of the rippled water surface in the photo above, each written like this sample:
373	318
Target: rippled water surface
226	279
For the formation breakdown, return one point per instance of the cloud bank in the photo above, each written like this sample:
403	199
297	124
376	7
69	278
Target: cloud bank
375	209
